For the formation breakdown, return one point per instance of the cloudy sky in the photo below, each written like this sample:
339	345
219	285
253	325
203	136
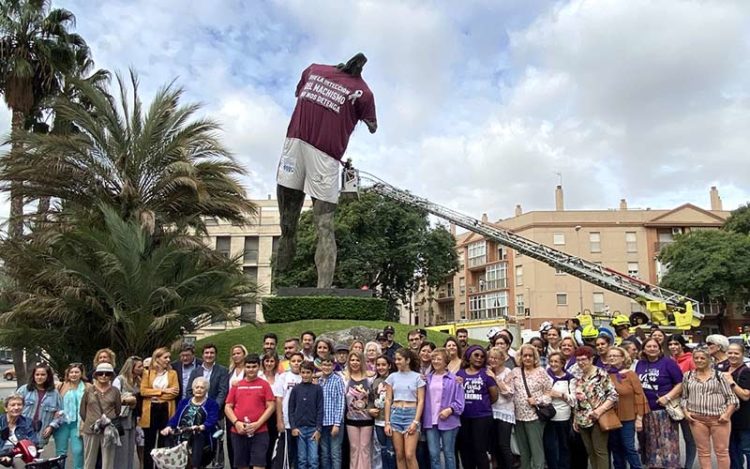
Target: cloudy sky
481	104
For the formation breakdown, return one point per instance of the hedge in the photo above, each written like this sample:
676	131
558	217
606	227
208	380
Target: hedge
296	308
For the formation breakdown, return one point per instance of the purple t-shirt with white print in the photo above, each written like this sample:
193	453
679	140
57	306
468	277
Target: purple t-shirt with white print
477	394
658	378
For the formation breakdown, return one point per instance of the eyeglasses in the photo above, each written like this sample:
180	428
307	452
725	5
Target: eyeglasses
136	358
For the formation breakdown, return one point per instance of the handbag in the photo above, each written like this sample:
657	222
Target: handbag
545	412
674	410
175	457
609	421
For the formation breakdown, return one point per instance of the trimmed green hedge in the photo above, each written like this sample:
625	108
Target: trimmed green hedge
297	308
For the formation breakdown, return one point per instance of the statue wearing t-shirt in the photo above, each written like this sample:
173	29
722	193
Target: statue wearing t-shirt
330	101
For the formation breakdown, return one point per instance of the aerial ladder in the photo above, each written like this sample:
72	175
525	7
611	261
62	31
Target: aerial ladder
664	306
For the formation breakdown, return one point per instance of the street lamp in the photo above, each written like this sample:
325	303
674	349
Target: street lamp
580	281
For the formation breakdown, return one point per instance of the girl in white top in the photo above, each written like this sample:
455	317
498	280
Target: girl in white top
503	410
404	402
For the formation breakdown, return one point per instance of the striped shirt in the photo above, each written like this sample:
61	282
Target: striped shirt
710	397
333	399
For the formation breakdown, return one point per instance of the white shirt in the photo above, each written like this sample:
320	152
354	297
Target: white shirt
282	388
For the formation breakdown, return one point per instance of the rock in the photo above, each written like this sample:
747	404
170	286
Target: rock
346	336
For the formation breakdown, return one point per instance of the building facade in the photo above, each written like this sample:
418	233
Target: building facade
256	244
496	282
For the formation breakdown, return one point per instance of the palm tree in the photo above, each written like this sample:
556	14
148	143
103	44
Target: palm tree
36	49
113	286
162	166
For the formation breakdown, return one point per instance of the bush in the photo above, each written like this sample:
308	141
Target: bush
297	308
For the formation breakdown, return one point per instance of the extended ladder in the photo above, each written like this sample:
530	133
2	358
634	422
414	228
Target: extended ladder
659	301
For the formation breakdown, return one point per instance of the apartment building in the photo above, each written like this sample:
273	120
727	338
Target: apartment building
496	282
256	244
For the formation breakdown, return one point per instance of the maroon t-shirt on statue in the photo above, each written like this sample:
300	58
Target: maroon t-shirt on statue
329	105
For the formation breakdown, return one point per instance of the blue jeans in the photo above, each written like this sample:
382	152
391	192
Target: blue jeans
330	448
622	447
556	451
690	448
739	448
387	453
447	438
67	434
307	449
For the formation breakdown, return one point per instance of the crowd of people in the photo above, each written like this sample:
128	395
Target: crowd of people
567	398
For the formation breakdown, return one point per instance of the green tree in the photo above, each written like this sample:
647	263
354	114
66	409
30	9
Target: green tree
709	265
384	245
163	166
113	286
36	50
739	220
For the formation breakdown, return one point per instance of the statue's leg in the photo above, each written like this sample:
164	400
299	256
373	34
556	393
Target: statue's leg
290	206
325	253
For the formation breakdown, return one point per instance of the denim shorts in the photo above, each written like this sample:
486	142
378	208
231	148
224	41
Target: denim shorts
402	417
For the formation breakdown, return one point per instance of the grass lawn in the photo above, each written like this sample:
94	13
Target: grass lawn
252	336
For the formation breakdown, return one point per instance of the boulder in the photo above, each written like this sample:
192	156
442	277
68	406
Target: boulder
346	336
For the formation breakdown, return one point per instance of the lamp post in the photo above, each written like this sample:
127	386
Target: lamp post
580	281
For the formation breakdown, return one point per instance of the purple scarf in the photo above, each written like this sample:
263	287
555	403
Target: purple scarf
565	377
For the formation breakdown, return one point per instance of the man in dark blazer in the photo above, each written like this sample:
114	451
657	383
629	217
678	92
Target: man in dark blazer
217	376
184	366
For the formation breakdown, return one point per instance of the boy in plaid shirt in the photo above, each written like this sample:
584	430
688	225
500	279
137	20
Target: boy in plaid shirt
333	415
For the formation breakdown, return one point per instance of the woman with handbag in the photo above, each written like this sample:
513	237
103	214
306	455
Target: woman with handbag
595	396
661	379
738	377
100	405
129	385
708	403
531	385
480	392
160	390
557	430
631	407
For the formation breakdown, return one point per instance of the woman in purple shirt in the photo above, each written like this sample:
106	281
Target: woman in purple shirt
661	379
480	391
443	404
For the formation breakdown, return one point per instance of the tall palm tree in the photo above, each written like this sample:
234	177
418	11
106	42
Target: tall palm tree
36	49
162	166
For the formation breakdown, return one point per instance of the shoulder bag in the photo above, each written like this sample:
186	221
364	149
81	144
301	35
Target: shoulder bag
545	412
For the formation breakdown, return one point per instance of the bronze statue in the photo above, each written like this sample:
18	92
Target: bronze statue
330	102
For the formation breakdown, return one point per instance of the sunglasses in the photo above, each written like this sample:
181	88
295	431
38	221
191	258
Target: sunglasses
103	373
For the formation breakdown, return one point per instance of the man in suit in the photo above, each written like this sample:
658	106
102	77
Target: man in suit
184	366
217	376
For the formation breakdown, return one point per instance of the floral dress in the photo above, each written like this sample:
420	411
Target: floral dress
591	392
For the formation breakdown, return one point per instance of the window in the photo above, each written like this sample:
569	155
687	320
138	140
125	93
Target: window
519	275
477	253
598	299
247	313
633	269
251	250
520	310
562	299
251	273
496	276
502	253
223	245
631	241
595	242
462	286
491	305
558	239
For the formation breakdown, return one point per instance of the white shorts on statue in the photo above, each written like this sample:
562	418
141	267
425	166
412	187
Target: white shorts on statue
305	168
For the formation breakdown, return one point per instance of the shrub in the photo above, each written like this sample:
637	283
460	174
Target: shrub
296	308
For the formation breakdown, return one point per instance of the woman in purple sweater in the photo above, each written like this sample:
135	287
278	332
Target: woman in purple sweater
443	404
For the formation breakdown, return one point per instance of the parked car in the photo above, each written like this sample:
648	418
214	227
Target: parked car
10	374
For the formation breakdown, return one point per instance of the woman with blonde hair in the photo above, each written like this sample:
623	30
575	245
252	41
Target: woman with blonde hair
531	387
237	356
103	355
372	352
160	390
71	390
503	414
129	385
